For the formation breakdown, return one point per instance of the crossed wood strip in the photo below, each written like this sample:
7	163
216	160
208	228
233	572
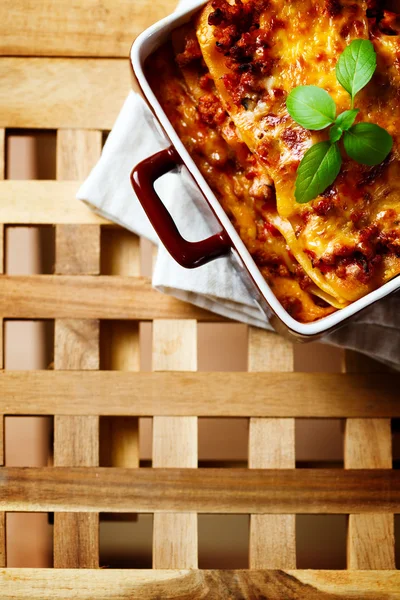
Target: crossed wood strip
37	93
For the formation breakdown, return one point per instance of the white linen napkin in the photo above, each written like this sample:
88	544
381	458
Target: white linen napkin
135	136
215	286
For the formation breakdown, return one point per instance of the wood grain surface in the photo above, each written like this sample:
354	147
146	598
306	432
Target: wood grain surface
76	346
271	446
368	445
120	346
37	92
206	490
2	421
93	28
114	584
370	542
308	395
87	297
175	538
44	203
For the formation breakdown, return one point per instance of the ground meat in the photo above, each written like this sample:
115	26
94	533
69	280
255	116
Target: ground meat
302	277
211	111
240	86
292	305
295	140
323	207
206	82
246	47
333	7
191	52
370	174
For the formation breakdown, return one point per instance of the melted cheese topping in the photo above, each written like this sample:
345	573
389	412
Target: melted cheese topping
241	185
223	83
338	239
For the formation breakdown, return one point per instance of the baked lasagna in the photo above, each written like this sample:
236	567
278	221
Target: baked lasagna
223	80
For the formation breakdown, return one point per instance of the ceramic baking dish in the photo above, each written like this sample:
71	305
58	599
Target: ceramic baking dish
227	241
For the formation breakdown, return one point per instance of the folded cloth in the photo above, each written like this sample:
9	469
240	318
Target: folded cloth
215	286
135	136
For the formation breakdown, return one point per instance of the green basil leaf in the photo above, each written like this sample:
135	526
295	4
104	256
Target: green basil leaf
356	66
311	107
318	169
335	133
367	143
344	121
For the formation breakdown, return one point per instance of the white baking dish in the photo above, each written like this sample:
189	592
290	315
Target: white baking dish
144	45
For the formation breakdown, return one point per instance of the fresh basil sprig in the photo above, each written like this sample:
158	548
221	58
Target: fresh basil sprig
318	169
356	66
313	108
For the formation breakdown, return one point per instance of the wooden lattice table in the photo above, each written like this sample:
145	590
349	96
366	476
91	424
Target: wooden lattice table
63	67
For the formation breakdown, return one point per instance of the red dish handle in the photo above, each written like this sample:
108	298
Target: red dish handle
187	254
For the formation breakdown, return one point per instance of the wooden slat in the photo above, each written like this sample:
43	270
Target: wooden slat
2	440
54	203
71	336
37	92
92	28
107	584
2	422
77	249
76	542
271	446
370	542
2	539
175	445
205	490
214	394
2	461
2	153
87	297
77	153
121	351
76	438
368	445
76	442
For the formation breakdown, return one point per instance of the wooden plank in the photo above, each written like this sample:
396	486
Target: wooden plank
368	445
2	153
37	92
175	539
2	421
76	346
93	28
370	541
77	247
303	395
77	153
204	490
2	431
76	542
2	175
2	539
121	350
71	336
271	446
87	297
77	250
113	584
54	203
121	253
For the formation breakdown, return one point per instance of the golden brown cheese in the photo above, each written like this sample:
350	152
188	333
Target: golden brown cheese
187	94
347	240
